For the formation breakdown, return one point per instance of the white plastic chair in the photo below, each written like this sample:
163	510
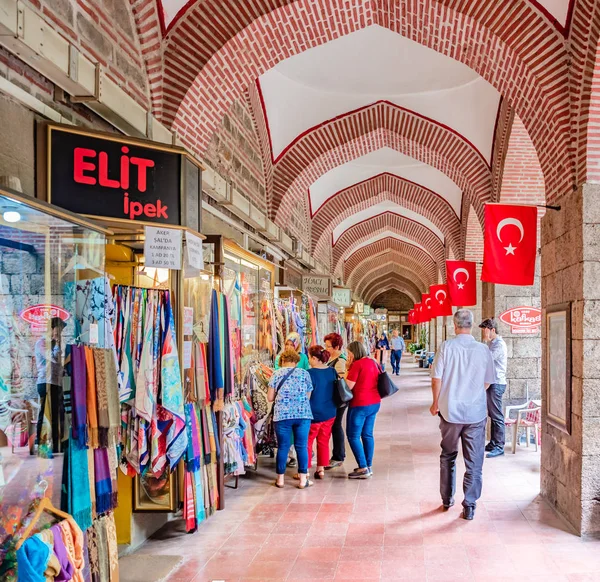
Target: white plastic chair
529	415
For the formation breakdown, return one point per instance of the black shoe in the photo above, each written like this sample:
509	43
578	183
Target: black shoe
448	504
489	447
468	513
495	453
360	474
291	463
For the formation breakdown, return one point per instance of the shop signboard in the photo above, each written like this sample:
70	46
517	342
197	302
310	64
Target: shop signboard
292	277
523	320
394	319
342	296
317	285
162	247
366	309
40	315
120	178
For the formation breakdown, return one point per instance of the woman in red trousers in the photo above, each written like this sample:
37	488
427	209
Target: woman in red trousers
323	407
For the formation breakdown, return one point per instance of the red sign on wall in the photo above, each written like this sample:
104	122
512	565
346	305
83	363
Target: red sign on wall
523	319
39	316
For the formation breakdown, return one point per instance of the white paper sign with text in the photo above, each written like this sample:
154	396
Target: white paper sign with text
194	251
162	247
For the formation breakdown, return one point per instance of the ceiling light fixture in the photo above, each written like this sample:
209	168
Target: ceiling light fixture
11	216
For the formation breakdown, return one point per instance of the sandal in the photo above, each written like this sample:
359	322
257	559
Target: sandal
320	474
296	477
306	485
275	484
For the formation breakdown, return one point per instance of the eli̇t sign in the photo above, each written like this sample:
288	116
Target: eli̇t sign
316	285
113	177
523	320
40	315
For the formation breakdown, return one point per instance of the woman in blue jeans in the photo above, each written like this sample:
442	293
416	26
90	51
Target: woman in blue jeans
362	376
289	390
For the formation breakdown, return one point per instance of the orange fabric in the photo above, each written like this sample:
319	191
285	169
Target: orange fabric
92	407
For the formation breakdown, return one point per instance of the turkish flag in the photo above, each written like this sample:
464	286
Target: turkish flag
510	244
418	313
462	283
411	314
441	300
427	304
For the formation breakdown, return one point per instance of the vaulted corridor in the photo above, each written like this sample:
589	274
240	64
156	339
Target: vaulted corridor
390	527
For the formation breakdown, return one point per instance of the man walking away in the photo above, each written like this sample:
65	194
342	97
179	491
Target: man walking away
495	392
462	371
397	346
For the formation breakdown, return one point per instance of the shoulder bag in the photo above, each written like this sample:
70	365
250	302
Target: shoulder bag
385	386
341	392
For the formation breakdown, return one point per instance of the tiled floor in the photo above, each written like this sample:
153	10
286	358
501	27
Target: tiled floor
390	527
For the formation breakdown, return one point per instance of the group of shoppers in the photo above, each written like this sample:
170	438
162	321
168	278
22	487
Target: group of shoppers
395	346
468	379
306	408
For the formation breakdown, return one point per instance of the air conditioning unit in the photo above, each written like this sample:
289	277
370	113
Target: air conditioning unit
286	242
297	247
272	231
215	186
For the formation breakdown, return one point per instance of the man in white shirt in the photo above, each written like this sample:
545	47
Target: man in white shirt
397	346
495	392
462	371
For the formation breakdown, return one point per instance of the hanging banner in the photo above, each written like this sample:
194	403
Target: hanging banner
510	244
440	300
317	285
342	296
462	283
162	247
193	245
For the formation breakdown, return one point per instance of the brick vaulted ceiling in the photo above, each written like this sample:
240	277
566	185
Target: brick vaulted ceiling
385	120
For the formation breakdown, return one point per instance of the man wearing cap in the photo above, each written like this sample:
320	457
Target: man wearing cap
495	392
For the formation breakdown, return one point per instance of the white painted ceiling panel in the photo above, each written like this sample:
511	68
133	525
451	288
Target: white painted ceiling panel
379	209
375	64
377	162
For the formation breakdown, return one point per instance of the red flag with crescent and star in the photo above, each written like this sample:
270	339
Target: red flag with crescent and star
418	313
427	304
510	244
462	283
441	300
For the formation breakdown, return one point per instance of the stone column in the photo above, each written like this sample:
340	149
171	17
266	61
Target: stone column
570	471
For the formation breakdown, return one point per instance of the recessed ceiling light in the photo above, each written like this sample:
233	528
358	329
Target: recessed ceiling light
11	216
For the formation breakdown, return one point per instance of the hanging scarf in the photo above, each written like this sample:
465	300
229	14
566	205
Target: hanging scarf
32	560
215	370
112	394
72	538
60	551
227	356
146	389
189	504
79	503
79	395
103	480
92	405
172	389
202	386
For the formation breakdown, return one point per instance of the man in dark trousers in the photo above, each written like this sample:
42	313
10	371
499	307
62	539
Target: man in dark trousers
397	346
462	371
495	392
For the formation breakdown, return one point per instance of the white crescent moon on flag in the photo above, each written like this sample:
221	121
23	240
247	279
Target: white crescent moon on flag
461	270
427	300
508	222
440	291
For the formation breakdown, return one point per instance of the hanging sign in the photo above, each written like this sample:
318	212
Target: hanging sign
188	320
162	247
115	177
39	316
193	245
342	296
319	286
523	320
394	319
292	277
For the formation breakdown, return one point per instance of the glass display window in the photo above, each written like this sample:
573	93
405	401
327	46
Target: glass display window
52	294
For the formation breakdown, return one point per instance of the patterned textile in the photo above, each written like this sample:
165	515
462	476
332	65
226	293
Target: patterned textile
292	398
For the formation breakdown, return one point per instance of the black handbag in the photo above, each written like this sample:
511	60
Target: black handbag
341	392
385	386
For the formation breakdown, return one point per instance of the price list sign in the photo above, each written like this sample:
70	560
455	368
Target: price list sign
162	247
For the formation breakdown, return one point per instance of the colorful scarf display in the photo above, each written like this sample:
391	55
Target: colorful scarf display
76	498
79	421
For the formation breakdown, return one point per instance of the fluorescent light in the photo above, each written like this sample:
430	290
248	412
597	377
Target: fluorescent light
11	216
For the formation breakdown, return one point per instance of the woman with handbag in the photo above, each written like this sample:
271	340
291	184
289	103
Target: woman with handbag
337	360
362	378
323	407
289	389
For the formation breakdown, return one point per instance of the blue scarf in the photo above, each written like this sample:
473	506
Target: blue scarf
32	560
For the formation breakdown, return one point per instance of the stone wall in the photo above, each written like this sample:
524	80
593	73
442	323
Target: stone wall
570	472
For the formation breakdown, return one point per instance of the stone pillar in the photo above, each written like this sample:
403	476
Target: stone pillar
524	368
570	471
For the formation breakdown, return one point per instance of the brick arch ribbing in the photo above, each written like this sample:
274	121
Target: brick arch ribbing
392	284
378	248
380	188
219	48
375	285
368	129
397	299
367	229
391	262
